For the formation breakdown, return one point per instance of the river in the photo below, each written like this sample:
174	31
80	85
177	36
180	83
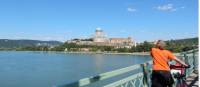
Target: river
47	69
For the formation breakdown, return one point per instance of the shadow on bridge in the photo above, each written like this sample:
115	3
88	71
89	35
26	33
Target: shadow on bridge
193	80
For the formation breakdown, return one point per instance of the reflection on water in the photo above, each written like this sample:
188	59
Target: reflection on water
98	60
46	69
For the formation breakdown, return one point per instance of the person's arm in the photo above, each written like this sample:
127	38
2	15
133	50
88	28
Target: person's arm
171	56
180	61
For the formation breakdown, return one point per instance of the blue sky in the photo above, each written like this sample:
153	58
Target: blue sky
65	19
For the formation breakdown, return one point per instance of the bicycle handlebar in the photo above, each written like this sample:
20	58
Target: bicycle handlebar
178	66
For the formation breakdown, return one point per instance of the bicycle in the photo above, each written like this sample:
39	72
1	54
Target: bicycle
179	73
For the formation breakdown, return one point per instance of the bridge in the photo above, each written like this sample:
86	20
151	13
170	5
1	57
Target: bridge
141	78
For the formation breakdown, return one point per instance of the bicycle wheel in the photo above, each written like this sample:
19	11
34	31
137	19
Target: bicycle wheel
182	83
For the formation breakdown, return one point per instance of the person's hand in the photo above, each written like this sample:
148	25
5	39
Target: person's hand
185	65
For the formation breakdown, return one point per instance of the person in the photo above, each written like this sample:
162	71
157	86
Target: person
161	76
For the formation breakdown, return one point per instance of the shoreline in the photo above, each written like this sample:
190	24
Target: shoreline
135	53
114	53
111	53
106	53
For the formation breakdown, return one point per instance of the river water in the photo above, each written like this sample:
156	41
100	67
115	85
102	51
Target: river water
47	69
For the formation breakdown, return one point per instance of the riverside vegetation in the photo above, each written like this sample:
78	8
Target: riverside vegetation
173	45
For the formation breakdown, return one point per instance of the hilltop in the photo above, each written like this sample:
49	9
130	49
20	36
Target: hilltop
11	44
178	45
182	44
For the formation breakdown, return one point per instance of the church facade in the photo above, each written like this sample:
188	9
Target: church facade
100	39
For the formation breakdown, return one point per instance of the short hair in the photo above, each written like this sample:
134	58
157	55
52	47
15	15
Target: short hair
160	43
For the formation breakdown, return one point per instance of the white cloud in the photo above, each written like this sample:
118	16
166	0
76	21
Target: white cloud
166	7
131	9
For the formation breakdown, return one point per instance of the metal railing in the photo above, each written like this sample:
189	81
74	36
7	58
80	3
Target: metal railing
141	79
191	58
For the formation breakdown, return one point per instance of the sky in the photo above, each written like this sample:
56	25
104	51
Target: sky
67	19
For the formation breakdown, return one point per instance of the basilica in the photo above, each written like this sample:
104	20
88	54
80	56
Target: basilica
100	39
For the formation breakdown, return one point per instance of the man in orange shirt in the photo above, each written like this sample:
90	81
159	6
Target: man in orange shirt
161	76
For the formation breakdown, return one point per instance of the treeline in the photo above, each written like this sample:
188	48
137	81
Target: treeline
72	47
173	45
16	44
182	44
34	48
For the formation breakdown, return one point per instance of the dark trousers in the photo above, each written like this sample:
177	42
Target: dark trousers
161	79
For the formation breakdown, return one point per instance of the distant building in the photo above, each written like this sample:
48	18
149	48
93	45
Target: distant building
100	39
122	42
126	41
99	36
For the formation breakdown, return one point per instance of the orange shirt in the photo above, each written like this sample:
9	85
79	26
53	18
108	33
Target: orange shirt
160	59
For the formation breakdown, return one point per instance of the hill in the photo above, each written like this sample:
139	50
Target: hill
186	42
177	45
182	44
10	44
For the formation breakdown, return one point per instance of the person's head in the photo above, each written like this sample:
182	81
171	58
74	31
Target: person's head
160	44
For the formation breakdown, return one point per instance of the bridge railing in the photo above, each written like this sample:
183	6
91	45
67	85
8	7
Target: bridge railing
141	79
191	58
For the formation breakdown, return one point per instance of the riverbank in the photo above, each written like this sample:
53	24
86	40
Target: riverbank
114	53
135	53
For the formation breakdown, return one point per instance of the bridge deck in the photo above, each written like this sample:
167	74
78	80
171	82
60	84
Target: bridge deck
193	80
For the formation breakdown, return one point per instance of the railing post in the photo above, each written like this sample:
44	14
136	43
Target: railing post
195	60
186	61
147	75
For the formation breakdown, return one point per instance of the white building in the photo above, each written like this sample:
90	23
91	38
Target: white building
99	36
100	39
